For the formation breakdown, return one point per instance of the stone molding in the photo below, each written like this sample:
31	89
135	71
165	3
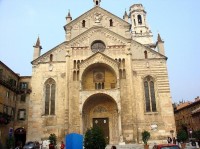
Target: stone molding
114	94
99	58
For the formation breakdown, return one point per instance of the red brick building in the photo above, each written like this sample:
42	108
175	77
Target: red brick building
187	115
14	98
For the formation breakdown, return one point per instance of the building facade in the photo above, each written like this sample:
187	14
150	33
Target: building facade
187	116
14	95
108	73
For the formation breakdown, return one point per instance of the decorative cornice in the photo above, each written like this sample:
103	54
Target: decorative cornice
75	42
99	58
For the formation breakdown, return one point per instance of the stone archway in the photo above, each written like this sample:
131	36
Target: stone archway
101	108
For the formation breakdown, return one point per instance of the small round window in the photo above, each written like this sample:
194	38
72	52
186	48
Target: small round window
98	46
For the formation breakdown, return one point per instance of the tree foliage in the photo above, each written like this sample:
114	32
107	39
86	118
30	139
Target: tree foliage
10	142
182	136
196	134
94	139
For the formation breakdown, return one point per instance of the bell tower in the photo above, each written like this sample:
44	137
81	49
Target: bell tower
97	2
140	29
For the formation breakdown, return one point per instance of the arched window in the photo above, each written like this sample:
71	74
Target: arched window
74	64
83	23
123	63
97	3
99	85
139	17
150	100
98	46
124	74
111	22
145	55
74	75
78	64
51	57
50	91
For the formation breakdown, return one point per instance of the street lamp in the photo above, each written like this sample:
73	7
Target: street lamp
190	131
172	132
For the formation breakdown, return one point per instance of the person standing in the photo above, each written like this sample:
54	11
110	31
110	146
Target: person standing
169	140
113	147
174	140
51	145
62	146
17	147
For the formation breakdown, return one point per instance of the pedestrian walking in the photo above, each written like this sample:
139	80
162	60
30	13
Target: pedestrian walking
62	146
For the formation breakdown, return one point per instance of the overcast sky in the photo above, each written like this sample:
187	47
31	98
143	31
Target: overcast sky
177	21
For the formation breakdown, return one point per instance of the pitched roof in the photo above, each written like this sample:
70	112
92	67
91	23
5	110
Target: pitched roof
94	9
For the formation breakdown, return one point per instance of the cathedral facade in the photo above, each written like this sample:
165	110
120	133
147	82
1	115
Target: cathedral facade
108	73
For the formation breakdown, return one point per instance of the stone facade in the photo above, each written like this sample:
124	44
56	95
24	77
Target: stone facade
99	72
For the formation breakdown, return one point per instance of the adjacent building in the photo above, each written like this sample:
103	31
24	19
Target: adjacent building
14	95
108	72
187	115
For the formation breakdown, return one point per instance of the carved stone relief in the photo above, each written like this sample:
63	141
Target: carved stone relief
97	17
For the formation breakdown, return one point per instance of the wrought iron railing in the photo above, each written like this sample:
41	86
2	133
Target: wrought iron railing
5	118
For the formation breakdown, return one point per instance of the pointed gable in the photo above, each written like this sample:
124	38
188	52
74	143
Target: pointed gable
58	53
140	51
97	16
98	33
84	41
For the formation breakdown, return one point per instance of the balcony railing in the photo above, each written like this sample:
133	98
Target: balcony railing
14	88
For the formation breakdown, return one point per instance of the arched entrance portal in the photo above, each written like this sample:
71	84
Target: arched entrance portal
101	110
20	136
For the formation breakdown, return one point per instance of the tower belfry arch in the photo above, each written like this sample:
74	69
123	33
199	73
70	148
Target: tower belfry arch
140	29
97	2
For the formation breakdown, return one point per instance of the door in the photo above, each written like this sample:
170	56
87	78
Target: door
103	123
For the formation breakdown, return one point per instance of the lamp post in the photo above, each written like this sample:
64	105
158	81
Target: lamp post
190	131
172	132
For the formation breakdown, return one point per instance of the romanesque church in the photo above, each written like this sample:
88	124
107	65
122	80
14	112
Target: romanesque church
108	73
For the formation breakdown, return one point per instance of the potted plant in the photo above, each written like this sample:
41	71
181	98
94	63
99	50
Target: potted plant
182	137
145	137
52	140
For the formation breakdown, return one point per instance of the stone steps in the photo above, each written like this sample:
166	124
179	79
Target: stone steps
141	146
129	146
